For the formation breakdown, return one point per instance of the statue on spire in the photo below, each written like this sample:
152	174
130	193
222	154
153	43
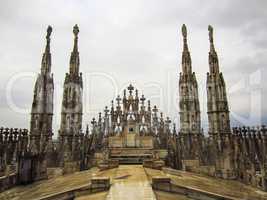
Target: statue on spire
74	59
49	31
48	34
210	28
76	30
46	59
212	48
184	31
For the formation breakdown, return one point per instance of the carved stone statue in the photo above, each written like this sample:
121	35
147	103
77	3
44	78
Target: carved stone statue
76	30
49	31
184	31
210	33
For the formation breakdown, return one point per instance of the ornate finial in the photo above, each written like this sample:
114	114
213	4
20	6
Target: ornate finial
174	129
76	30
136	93
148	105
142	99
155	109
168	121
87	129
184	31
74	59
93	122
118	99
106	111
130	88
75	47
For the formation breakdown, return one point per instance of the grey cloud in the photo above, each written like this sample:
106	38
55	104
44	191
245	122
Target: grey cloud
130	41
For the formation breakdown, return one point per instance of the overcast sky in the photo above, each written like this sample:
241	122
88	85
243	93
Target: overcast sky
139	42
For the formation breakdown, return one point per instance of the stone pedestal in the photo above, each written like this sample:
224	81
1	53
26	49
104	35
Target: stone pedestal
154	164
100	184
71	167
190	165
161	182
108	164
